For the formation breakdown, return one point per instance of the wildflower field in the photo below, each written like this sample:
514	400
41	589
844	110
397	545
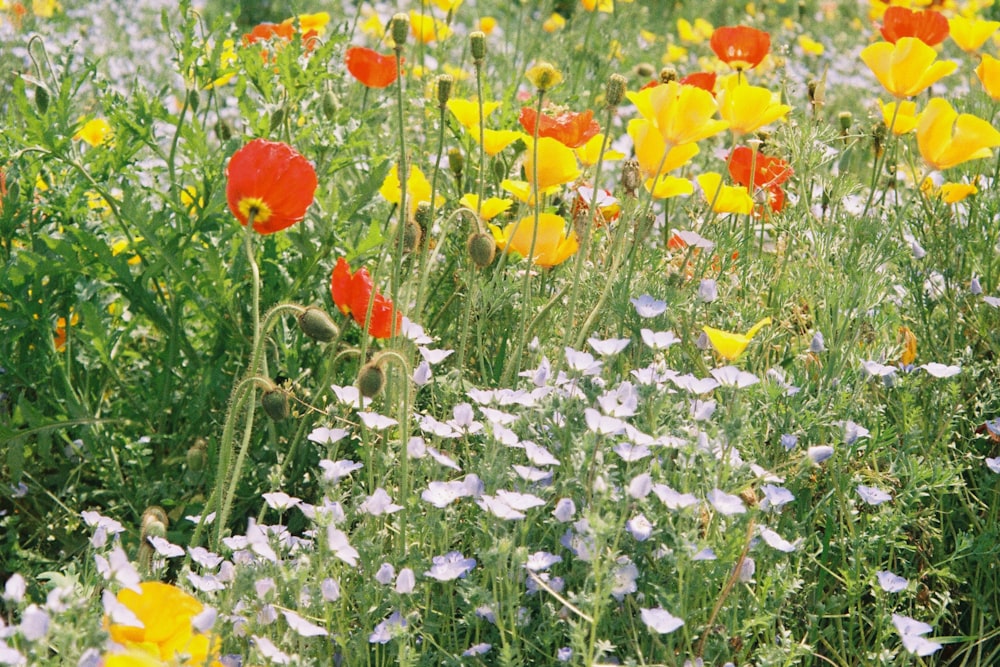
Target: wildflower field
581	332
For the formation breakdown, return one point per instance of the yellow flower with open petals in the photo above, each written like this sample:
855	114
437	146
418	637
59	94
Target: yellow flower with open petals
907	67
810	46
695	33
906	118
946	138
953	193
556	163
589	153
45	9
466	112
681	114
666	187
552	244
731	345
426	29
748	108
447	5
94	132
725	198
988	73
554	23
650	149
487	24
971	34
418	189
491	208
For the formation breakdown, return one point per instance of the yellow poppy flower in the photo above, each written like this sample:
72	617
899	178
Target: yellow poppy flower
554	23
909	342
522	190
666	187
94	132
544	76
372	26
971	34
953	193
466	112
418	189
426	29
487	24
988	74
447	5
491	208
650	149
552	245
589	153
45	9
748	108
907	67
556	163
731	345
946	138
810	46
695	33
905	119
725	198
681	114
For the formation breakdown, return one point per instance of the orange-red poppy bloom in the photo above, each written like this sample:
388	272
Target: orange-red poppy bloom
929	26
370	67
569	128
769	173
703	80
741	47
351	294
266	31
270	181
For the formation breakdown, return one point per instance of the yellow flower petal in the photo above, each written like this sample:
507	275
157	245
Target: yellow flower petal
552	245
725	198
94	132
466	112
748	108
971	34
556	163
669	186
731	345
946	138
907	67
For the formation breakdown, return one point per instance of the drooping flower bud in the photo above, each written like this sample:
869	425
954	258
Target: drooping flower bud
482	249
154	523
371	380
616	89
275	403
197	455
477	45
316	324
41	99
399	26
329	105
644	70
456	162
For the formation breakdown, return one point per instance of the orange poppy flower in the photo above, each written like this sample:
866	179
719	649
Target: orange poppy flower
769	173
351	294
266	31
703	80
270	181
370	67
929	26
741	47
569	128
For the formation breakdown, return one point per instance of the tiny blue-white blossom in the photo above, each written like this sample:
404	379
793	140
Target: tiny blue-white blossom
387	629
15	588
817	344
542	560
35	623
890	582
708	290
873	495
324	435
452	565
609	346
725	503
639	527
993	464
789	441
565	510
819	453
646	306
659	340
941	370
477	649
406	581
911	632
660	620
386	573
775	497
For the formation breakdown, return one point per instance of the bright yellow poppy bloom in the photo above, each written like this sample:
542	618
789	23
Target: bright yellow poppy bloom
725	198
907	67
94	132
946	138
681	114
650	149
491	208
731	345
988	74
418	189
748	108
556	162
905	119
971	34
552	245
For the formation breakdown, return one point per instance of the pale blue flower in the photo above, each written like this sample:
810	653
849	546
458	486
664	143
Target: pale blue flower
646	306
789	441
660	620
873	495
452	565
891	583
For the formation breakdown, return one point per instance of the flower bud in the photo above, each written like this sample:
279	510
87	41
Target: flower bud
328	105
41	99
223	131
399	26
456	162
154	523
371	380
477	44
316	324
197	455
543	76
444	83
275	403
631	177
668	74
277	119
616	89
644	70
194	99
482	248
412	236
422	214
845	118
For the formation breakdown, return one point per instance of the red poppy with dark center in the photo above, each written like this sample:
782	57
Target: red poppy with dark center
272	182
769	173
370	67
703	80
741	47
569	128
351	294
929	26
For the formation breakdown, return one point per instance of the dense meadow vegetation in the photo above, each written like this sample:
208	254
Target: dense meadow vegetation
579	332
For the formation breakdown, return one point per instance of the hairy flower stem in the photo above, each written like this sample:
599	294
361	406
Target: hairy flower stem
726	589
425	241
482	138
515	366
584	251
879	163
404	176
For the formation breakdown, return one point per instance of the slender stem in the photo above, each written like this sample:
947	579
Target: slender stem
726	589
877	167
404	176
482	132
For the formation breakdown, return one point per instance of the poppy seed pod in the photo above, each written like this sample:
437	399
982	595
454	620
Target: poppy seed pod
399	26
544	75
197	455
154	523
328	104
422	214
444	83
644	70
371	380
668	74
845	118
482	249
316	324
616	89
41	99
477	45
456	162
275	404
631	177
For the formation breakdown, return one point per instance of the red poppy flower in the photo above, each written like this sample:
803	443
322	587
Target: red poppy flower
929	26
351	294
768	173
266	31
569	128
271	181
370	67
703	80
741	47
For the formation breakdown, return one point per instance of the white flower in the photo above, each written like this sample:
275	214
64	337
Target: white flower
660	620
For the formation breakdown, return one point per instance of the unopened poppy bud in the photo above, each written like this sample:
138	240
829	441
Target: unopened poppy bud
399	26
845	118
456	162
316	324
482	249
444	83
644	70
422	214
41	99
371	380
194	99
668	74
328	104
616	89
816	91
878	137
275	404
277	119
631	177
477	45
543	76
223	131
197	455
412	235
154	523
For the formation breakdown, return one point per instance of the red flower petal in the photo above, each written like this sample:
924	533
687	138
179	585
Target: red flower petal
569	128
929	26
266	31
351	294
703	80
769	173
741	47
273	181
370	67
